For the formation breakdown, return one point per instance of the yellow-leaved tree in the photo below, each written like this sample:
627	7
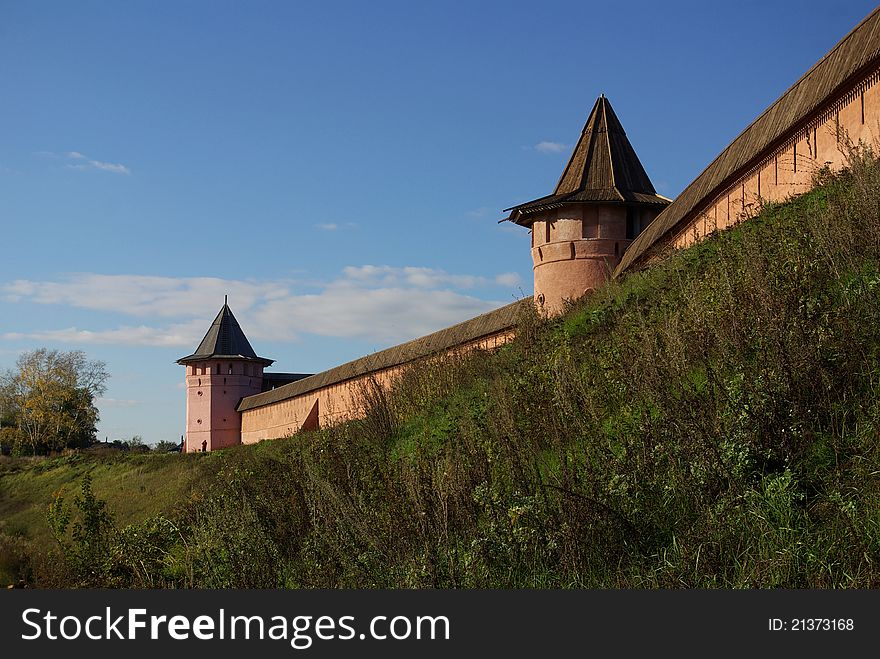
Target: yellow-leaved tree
48	400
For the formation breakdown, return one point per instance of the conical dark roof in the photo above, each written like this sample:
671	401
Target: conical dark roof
224	340
603	168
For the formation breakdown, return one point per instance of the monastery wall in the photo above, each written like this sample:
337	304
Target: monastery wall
337	395
778	155
790	168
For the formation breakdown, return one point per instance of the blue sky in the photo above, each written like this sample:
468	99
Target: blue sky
337	168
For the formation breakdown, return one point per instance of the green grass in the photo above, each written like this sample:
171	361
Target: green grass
136	487
710	422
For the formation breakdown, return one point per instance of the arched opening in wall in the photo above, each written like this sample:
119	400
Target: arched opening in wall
230	369
547	231
200	382
205	446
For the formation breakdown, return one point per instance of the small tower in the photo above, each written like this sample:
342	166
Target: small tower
602	202
222	370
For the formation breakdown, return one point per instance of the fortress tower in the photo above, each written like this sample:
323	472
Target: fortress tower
222	370
602	202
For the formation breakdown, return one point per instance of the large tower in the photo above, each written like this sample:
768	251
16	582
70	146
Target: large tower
222	370
602	202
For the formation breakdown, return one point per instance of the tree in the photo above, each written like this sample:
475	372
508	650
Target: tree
50	397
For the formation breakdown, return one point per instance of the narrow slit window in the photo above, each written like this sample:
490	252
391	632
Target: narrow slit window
631	223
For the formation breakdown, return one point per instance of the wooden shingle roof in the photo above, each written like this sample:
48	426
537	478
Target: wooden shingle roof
484	325
855	56
224	340
603	168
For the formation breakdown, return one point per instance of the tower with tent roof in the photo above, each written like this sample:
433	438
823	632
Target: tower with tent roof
602	201
223	370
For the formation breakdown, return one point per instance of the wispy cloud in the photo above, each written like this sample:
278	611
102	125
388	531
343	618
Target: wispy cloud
478	213
381	303
84	162
77	160
334	226
143	296
142	335
550	147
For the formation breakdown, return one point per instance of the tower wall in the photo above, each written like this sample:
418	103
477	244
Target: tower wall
575	249
212	394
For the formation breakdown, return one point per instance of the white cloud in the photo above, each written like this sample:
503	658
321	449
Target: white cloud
176	335
81	162
381	303
140	296
510	279
550	147
383	314
385	275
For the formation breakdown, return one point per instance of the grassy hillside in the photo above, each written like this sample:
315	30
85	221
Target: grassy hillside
710	422
137	487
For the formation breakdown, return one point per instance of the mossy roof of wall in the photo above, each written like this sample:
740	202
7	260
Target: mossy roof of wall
474	329
807	99
224	340
603	168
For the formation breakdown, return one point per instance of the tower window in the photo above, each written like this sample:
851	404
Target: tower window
218	369
633	222
230	369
